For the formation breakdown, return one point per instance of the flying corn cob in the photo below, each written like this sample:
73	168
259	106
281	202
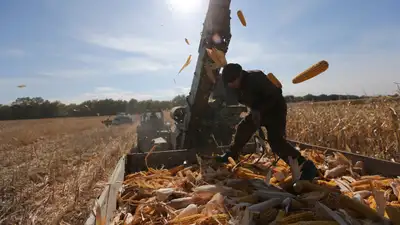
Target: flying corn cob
187	41
217	56
311	72
274	80
241	17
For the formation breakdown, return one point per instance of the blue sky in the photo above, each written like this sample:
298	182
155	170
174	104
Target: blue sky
77	50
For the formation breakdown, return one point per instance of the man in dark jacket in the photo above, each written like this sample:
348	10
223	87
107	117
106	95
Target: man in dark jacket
269	109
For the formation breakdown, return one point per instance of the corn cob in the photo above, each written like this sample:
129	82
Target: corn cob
217	56
274	80
231	161
176	169
241	17
311	72
362	187
303	186
296	217
247	175
360	182
186	220
346	202
319	222
328	184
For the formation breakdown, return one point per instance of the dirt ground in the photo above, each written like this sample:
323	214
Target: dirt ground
53	169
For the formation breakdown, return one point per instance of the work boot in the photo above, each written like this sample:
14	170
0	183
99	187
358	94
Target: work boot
224	157
309	170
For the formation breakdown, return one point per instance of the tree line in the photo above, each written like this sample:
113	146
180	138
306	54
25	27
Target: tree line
37	107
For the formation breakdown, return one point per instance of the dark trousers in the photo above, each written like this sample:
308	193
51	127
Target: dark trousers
275	122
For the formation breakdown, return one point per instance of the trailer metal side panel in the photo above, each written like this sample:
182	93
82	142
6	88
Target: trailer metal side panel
108	198
136	162
371	165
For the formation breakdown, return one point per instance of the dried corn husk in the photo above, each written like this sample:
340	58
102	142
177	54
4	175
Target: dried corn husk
188	60
188	211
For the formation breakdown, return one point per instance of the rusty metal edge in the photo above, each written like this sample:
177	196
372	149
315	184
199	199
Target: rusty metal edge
372	166
108	198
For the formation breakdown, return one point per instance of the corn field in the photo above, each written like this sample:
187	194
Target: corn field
366	127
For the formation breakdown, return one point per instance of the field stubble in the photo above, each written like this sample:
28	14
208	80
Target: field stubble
52	169
368	128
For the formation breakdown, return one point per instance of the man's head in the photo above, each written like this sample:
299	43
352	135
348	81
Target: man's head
231	75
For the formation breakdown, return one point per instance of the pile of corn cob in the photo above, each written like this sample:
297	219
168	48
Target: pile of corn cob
258	191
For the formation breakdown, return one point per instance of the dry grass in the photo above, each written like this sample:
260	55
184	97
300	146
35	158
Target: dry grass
367	127
52	169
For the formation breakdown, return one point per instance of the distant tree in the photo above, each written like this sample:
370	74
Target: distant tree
37	107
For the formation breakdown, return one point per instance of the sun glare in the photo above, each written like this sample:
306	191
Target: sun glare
184	6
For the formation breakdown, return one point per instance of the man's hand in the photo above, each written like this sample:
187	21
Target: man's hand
256	117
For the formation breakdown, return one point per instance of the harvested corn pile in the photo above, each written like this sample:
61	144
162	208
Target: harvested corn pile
258	190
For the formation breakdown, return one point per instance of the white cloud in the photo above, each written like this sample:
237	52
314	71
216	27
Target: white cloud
115	93
140	64
153	47
70	73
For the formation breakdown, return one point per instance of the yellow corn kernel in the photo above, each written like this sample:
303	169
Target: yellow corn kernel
328	184
245	170
186	220
311	72
247	174
297	217
362	187
360	182
231	161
